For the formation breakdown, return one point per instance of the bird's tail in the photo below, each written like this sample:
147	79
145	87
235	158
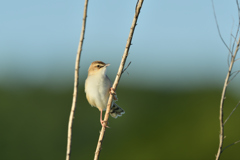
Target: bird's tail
116	111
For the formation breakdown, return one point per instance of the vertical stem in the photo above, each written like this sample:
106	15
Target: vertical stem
221	135
119	74
76	79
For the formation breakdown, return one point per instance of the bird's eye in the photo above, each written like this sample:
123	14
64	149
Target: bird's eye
98	66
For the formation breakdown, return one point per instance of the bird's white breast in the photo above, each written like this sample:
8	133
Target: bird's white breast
97	90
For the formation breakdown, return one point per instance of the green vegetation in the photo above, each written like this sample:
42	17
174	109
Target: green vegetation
157	125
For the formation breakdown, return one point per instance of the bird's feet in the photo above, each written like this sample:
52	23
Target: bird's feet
112	92
103	123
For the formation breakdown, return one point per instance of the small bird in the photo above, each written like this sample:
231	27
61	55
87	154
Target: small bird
98	88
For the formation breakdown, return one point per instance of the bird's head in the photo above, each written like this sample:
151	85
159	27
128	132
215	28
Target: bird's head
97	67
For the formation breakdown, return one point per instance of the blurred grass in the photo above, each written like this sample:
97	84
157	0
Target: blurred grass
165	125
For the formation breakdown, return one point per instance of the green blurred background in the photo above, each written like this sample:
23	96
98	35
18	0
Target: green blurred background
170	92
157	125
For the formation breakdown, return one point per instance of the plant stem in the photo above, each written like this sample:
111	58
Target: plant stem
221	135
76	81
118	76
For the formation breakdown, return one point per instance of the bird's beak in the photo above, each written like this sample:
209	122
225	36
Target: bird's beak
108	64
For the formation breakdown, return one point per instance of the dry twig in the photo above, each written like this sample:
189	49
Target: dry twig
219	28
227	80
221	136
231	113
119	74
76	77
230	145
126	67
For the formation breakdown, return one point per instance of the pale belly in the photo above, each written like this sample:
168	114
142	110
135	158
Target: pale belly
97	92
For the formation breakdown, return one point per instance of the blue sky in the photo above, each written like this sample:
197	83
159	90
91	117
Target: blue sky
175	44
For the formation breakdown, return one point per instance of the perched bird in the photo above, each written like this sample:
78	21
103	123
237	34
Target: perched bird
98	88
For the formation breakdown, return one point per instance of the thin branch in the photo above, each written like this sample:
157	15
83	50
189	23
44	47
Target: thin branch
235	37
231	113
219	28
231	145
238	10
237	59
235	71
231	36
235	41
118	76
221	136
76	81
237	26
234	74
126	67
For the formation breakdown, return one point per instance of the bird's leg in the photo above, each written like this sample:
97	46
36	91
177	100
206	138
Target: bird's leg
103	123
